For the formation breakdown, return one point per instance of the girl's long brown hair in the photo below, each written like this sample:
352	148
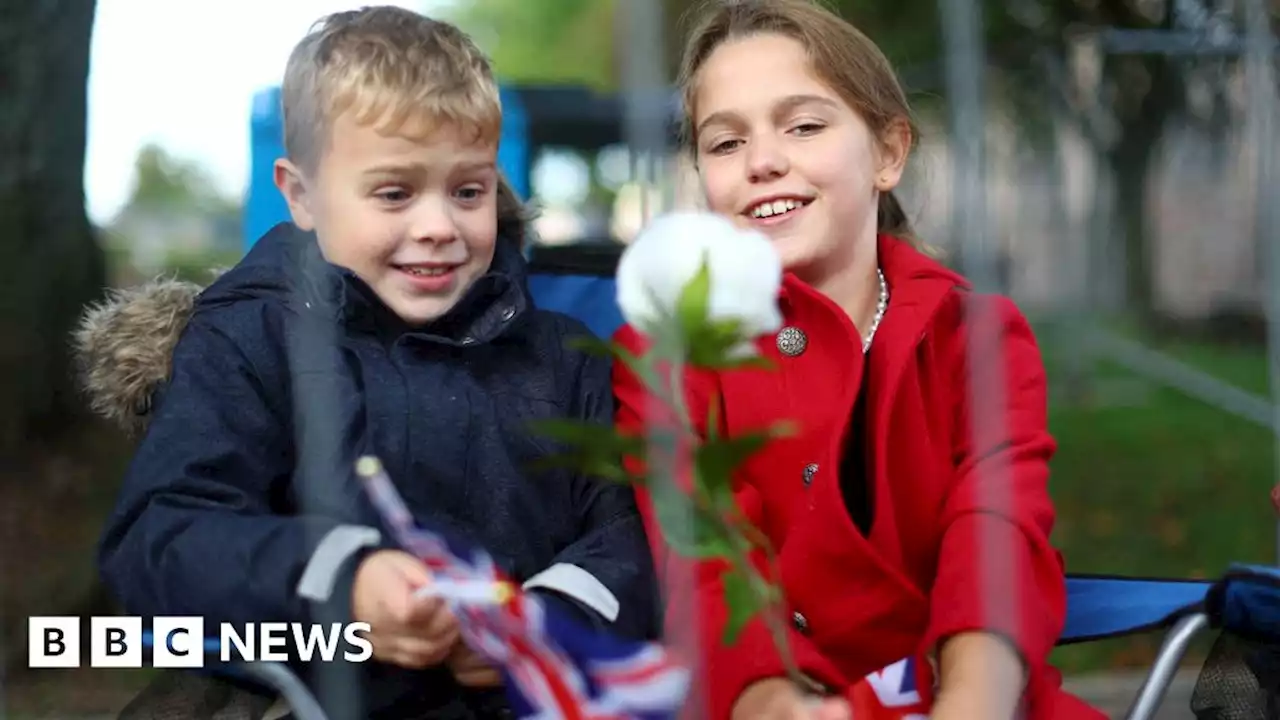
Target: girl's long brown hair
843	57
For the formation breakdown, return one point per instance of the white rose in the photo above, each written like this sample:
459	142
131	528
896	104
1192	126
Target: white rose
745	270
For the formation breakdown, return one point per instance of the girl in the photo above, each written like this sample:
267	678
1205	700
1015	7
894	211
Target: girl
882	508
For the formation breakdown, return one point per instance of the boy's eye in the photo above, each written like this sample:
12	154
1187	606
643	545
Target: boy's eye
724	146
471	192
807	128
393	195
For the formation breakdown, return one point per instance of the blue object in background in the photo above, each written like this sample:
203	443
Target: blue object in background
513	147
264	207
589	298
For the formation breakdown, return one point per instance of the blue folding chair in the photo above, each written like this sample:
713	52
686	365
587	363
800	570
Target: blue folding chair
1244	603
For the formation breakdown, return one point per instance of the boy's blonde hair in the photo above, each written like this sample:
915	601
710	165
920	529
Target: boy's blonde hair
395	69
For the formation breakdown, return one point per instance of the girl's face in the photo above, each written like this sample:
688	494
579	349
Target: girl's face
780	151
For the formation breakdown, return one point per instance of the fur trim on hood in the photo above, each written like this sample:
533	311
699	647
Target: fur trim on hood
124	345
124	348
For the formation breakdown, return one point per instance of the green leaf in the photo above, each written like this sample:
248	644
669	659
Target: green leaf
783	429
663	330
688	532
713	418
592	345
715	347
715	462
639	366
717	459
692	304
593	449
748	362
742	603
710	345
590	464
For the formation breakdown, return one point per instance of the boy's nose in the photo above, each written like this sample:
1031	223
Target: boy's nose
433	223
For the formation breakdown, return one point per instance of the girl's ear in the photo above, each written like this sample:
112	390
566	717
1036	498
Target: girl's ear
895	146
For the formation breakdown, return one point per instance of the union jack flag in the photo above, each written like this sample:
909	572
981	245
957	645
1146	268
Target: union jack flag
554	667
900	691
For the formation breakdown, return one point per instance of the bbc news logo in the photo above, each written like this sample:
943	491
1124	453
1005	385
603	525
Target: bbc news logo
180	642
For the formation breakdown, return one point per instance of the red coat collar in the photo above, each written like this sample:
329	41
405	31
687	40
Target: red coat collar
901	262
917	284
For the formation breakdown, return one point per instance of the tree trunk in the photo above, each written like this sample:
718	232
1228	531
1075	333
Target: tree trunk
58	473
50	264
1149	92
1131	165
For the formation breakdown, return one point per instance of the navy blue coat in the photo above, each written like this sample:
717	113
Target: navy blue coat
240	504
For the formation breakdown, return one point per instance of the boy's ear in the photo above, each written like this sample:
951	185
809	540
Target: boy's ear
292	184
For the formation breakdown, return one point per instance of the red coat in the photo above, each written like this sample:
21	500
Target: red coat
862	603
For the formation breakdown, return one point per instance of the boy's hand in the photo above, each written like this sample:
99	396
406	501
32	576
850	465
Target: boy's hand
471	669
405	630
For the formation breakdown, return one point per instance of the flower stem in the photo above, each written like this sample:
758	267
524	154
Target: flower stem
771	609
742	535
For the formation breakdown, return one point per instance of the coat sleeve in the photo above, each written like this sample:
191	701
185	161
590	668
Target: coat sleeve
607	572
694	589
198	528
997	571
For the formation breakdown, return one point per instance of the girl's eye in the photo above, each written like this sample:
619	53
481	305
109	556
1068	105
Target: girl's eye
471	193
807	129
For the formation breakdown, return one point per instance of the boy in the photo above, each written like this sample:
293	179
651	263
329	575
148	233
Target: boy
391	318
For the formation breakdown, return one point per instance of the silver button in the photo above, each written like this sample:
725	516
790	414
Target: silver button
809	471
801	623
792	341
468	341
508	313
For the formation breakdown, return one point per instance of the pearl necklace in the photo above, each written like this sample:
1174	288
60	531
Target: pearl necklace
881	306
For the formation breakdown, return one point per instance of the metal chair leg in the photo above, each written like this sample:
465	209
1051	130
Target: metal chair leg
1166	665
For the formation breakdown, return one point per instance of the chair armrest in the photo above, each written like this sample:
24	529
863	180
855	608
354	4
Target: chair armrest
274	675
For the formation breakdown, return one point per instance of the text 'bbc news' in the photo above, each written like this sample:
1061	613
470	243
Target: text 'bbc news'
181	642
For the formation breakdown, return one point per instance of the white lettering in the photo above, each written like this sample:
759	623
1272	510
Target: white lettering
328	642
243	643
180	642
274	635
353	639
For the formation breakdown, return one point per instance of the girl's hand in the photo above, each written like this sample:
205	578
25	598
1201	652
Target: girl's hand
981	676
780	699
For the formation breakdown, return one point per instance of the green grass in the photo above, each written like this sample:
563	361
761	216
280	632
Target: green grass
1149	482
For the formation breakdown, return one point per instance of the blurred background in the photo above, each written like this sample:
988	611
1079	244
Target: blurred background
1124	183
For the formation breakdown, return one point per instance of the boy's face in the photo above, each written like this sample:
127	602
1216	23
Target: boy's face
416	219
